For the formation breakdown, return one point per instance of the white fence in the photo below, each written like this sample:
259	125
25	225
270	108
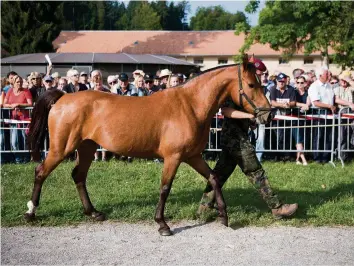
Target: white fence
321	133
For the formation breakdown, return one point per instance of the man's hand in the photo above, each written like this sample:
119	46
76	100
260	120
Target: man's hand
305	108
333	108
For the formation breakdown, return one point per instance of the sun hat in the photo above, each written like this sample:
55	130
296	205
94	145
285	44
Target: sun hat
165	72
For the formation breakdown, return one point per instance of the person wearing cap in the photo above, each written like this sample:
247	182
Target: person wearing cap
283	98
124	87
112	81
37	89
174	81
164	76
149	84
137	73
157	81
83	79
238	150
346	92
74	85
56	76
48	82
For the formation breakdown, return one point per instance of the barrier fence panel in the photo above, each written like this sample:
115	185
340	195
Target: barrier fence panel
322	135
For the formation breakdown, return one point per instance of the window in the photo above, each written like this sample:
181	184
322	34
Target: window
222	61
283	61
198	61
308	60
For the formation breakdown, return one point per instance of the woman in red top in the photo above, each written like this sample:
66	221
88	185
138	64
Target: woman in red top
17	98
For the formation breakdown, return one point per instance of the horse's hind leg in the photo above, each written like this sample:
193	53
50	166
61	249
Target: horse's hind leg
86	153
202	168
169	171
41	173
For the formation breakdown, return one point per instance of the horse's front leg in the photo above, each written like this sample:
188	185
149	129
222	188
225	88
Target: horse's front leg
203	168
169	171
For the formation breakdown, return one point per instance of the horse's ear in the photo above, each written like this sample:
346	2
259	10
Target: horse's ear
245	61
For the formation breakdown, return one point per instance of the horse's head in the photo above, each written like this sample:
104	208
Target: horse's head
247	92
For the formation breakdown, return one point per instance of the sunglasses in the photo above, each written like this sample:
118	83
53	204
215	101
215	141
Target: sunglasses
76	75
113	82
148	81
300	82
61	84
334	82
36	78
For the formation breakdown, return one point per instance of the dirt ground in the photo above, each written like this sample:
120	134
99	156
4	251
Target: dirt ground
191	244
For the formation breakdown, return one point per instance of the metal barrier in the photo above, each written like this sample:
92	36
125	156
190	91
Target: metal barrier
322	133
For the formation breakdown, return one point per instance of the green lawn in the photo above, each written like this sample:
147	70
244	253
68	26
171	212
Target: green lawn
129	192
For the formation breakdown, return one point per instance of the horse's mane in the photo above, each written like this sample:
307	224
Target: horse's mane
250	66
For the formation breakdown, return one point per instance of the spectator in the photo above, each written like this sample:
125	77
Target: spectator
48	82
37	89
303	102
97	81
345	92
137	73
112	81
174	81
322	96
157	81
84	79
56	76
164	76
74	85
334	81
16	98
140	85
297	72
62	83
283	97
181	78
149	84
124	87
10	77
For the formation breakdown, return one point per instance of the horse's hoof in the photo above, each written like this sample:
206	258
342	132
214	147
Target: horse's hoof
29	217
224	221
98	216
165	232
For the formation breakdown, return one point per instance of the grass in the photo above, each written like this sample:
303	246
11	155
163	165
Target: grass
129	192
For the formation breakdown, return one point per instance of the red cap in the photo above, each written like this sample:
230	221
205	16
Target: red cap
258	64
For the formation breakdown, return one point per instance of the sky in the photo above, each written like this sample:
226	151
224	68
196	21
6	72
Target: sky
230	6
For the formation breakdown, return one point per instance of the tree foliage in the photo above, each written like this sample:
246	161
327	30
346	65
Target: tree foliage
312	25
216	18
30	27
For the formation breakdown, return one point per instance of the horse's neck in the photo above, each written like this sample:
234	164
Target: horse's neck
209	93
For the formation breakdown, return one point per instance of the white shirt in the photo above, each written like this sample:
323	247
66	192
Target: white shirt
322	92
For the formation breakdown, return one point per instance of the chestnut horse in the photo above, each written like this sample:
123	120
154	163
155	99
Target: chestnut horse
172	124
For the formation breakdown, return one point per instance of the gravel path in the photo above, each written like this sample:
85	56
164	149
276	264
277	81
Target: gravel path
192	243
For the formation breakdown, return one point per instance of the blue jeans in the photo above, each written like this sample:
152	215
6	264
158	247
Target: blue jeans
18	142
260	135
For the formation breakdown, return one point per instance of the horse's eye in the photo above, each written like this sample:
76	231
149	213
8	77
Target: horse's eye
251	85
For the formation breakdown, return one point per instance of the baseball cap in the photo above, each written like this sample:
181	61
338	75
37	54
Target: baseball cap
48	78
56	75
281	76
149	77
83	73
123	77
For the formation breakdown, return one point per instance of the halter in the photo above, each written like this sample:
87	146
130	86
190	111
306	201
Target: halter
243	94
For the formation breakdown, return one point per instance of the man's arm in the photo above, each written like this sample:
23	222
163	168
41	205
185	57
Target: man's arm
232	113
343	102
324	105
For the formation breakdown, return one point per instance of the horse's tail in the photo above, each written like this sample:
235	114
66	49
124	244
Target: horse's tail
39	119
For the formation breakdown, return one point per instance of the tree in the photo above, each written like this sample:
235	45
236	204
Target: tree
30	27
313	26
216	18
145	18
172	15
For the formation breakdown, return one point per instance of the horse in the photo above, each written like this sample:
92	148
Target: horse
178	127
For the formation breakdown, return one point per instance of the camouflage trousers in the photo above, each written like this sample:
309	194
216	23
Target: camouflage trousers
244	155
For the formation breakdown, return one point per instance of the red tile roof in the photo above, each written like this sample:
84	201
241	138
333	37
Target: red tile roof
157	42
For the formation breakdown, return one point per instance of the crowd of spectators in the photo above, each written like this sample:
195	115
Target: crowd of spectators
300	92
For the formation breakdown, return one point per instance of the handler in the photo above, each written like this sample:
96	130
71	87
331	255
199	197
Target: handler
238	150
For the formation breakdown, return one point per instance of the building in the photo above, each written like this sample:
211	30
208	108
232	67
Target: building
204	48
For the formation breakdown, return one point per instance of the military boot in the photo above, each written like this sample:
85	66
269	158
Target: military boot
285	210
